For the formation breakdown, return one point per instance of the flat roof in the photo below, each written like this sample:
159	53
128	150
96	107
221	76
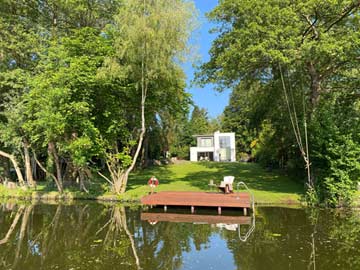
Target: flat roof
204	135
212	135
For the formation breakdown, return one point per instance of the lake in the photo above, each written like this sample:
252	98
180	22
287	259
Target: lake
98	236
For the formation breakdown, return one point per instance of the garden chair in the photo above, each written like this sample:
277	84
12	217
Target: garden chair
226	186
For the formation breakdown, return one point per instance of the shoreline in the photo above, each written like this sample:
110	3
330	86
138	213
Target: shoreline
268	188
53	197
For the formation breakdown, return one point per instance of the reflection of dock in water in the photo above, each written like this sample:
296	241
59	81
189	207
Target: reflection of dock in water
231	223
192	218
242	200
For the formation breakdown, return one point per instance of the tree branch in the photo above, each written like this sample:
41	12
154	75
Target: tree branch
107	179
312	26
16	166
346	12
43	168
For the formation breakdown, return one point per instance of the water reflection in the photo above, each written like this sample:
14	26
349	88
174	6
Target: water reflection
93	236
231	223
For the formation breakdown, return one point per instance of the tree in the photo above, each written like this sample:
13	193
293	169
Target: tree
199	121
149	39
59	107
307	48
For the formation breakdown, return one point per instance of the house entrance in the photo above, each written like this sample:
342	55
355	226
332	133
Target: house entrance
205	156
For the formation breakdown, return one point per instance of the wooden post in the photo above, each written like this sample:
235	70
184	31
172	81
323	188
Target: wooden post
245	211
219	210
192	209
165	208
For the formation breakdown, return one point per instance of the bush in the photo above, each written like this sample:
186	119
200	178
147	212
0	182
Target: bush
335	149
341	175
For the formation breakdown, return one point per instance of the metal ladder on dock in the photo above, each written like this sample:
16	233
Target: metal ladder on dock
244	238
252	200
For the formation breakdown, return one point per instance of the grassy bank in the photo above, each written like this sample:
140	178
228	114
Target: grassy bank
267	187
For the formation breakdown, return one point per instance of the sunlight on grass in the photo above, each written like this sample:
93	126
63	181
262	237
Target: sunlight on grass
268	187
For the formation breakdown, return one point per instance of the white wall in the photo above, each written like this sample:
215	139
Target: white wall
216	148
217	134
193	153
232	145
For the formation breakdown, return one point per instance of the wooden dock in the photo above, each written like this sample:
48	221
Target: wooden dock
199	199
192	218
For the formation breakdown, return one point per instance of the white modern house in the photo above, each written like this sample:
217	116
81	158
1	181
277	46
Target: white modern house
214	147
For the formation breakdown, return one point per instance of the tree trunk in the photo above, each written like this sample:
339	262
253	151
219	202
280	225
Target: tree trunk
123	182
16	167
315	87
28	167
48	173
52	151
125	175
145	156
5	164
82	181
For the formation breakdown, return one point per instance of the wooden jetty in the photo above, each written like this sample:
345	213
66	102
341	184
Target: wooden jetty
192	218
241	200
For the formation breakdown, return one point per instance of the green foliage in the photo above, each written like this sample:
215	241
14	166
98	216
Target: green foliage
336	144
313	44
264	148
59	106
148	50
196	123
199	121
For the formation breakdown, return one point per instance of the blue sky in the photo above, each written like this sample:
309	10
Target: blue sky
205	97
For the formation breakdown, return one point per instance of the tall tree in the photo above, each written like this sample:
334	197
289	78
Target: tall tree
312	45
150	38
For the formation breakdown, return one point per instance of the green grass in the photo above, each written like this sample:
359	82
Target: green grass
267	187
357	198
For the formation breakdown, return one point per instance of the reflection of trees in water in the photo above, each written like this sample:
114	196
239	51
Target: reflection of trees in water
313	216
340	238
99	237
38	237
18	215
116	225
276	243
22	213
162	245
201	236
297	239
92	237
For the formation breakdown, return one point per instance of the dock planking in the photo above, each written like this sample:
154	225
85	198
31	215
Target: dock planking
191	218
198	199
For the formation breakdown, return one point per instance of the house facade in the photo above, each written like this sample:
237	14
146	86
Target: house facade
214	147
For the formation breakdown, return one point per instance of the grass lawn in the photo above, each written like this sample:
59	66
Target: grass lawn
267	187
357	199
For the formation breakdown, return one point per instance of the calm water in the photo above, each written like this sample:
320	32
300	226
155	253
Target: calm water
95	236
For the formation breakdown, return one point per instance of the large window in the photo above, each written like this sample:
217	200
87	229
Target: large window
224	141
205	156
205	142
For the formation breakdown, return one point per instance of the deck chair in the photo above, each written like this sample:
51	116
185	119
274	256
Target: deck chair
226	186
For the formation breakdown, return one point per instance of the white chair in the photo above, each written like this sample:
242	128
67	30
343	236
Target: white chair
227	184
229	179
